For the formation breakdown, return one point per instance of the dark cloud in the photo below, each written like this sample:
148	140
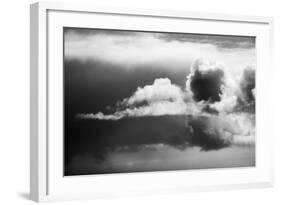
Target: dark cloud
221	41
86	32
201	134
209	109
97	138
206	85
226	42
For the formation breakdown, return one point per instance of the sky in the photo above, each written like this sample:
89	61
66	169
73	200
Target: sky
136	101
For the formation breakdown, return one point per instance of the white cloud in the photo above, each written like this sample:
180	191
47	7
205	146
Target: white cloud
98	116
160	98
230	89
129	51
254	92
243	128
161	90
204	66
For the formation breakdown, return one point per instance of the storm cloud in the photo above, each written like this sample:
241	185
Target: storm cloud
206	81
101	137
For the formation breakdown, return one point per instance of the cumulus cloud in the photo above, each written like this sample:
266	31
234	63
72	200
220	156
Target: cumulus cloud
160	98
206	81
208	106
161	90
231	90
210	88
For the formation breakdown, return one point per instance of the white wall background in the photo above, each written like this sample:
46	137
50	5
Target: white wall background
14	101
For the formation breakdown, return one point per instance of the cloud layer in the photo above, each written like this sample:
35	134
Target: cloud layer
100	138
169	50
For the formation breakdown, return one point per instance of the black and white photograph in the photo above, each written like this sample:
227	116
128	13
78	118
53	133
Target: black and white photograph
146	101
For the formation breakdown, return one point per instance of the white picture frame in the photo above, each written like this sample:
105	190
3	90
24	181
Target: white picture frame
47	182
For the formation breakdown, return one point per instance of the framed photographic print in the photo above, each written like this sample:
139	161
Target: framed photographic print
127	102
